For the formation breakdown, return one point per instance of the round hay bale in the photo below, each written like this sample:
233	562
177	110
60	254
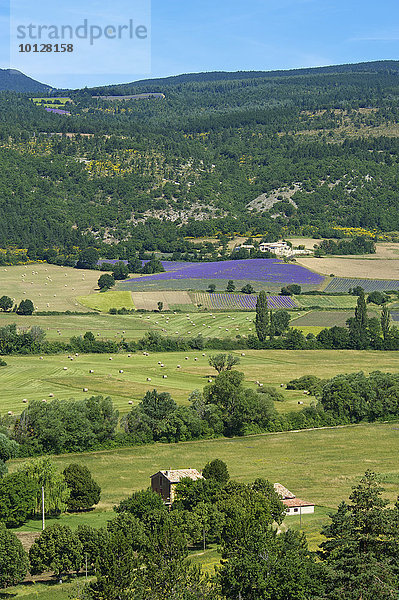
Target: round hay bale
9	412
91	371
195	358
242	353
186	357
76	354
110	358
148	378
120	370
44	400
129	356
209	380
65	368
300	402
51	395
164	376
24	400
130	402
41	358
178	367
85	389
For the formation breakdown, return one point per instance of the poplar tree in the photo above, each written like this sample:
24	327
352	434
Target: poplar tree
262	321
385	322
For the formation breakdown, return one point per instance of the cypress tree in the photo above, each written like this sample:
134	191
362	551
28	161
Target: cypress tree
361	311
385	322
262	317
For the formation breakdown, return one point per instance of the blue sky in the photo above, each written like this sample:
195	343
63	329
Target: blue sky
236	35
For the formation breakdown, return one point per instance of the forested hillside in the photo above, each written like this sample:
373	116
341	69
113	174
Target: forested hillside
13	80
263	153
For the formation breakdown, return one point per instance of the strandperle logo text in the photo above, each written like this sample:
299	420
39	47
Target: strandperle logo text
85	31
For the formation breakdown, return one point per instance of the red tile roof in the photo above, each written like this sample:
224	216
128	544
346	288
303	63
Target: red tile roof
296	502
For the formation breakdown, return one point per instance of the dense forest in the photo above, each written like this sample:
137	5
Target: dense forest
254	153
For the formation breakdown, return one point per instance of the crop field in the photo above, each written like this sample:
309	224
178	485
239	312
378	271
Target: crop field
269	272
105	300
227	301
339	284
32	378
327	301
372	266
48	286
323	318
149	300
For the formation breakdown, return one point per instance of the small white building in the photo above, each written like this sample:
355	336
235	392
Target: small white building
294	505
277	248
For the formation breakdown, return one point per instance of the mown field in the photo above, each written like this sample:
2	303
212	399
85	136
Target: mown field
318	465
31	378
327	301
48	286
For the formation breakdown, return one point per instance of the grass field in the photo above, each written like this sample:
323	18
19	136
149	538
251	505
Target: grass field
319	465
32	378
48	286
323	318
106	300
327	301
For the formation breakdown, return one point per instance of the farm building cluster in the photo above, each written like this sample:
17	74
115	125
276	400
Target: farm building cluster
164	483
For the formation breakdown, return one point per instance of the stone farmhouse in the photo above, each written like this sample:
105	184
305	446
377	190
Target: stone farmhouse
164	482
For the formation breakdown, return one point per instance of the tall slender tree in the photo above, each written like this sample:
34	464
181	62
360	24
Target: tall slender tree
385	322
262	321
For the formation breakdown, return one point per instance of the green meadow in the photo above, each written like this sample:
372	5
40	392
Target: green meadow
30	377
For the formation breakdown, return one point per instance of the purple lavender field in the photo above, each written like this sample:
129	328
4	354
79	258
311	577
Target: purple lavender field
227	301
57	111
258	269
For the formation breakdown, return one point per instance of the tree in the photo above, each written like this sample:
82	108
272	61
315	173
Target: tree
42	472
8	448
211	288
385	322
293	289
217	470
262	322
141	504
153	266
18	496
223	362
134	265
120	271
58	549
13	559
248	289
88	259
230	286
25	307
362	545
280	321
6	303
160	306
106	281
84	491
377	298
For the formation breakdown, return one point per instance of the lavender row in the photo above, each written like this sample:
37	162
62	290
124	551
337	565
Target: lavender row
242	301
340	284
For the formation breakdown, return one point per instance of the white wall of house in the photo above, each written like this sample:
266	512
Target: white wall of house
304	510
